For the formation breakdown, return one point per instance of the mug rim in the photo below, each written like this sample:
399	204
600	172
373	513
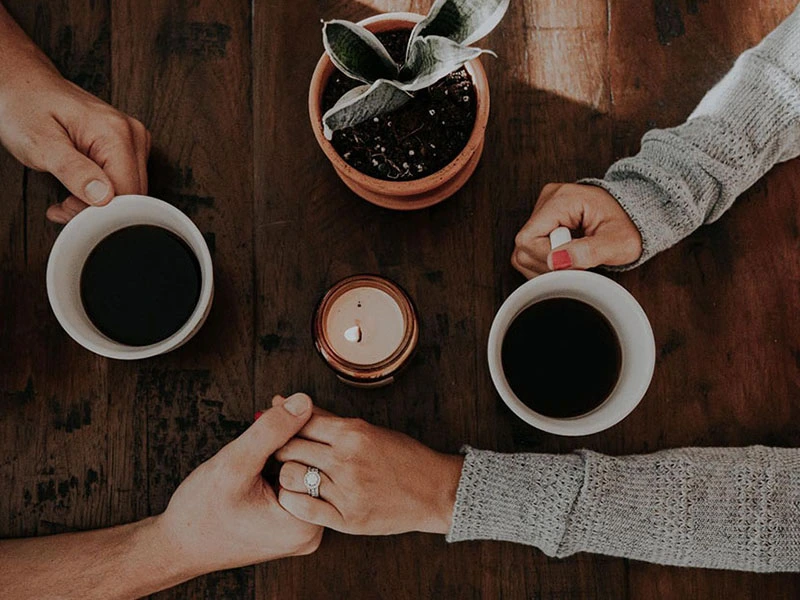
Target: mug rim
614	408
190	234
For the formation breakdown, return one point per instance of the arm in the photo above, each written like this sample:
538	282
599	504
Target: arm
703	507
690	175
682	177
50	124
129	561
224	515
723	508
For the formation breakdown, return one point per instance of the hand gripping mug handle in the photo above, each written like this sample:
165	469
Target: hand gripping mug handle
559	237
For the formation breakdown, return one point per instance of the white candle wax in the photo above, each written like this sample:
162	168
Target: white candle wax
365	326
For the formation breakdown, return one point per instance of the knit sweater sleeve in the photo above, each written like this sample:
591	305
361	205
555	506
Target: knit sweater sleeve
724	508
691	174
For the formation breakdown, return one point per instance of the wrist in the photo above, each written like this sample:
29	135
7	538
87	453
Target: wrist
444	486
176	561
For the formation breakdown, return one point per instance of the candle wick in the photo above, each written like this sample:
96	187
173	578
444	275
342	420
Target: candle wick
353	334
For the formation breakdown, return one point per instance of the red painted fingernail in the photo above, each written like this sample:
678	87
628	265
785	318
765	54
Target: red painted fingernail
561	260
258	415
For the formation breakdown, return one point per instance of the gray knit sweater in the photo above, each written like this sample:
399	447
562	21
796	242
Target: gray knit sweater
726	508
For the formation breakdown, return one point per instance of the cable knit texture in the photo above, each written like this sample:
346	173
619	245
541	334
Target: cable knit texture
690	175
720	508
736	508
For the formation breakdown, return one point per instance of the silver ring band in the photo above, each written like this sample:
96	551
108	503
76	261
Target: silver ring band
312	480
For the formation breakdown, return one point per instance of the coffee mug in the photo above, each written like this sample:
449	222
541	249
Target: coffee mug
624	314
77	240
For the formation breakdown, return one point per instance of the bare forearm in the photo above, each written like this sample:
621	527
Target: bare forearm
128	561
17	51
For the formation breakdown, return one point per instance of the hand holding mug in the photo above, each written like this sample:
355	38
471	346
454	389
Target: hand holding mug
50	124
609	235
226	515
373	481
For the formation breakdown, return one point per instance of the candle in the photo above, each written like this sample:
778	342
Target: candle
366	329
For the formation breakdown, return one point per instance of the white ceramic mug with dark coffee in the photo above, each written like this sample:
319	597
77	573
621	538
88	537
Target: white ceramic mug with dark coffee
626	318
83	234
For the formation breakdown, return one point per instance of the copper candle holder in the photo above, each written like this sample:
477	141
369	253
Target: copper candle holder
366	329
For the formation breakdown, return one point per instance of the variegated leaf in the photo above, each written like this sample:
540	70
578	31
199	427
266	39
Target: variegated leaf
463	21
357	52
363	103
431	58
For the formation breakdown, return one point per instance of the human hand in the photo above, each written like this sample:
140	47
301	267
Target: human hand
374	481
50	124
225	515
609	236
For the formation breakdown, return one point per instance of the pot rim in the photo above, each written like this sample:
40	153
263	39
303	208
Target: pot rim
325	68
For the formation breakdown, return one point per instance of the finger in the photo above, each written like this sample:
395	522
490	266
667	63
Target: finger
271	431
117	156
565	210
537	248
319	430
57	214
312	454
292	477
277	400
583	253
142	144
530	260
74	205
83	177
311	510
527	271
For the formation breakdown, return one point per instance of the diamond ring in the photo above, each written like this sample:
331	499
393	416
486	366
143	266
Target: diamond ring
311	480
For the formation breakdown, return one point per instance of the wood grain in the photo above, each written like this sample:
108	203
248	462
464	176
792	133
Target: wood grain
86	442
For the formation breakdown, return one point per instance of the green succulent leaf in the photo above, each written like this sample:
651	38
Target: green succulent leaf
463	21
357	52
364	103
431	58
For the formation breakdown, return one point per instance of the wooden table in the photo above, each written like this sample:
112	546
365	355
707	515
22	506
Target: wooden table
86	442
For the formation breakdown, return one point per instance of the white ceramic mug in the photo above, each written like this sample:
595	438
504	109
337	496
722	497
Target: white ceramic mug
624	314
80	236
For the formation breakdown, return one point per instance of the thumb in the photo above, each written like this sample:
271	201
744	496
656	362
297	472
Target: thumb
80	175
272	430
583	253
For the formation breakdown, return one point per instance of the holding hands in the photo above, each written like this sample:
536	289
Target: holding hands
373	481
226	515
609	236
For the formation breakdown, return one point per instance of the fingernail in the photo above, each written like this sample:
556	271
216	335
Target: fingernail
258	415
97	191
297	405
561	260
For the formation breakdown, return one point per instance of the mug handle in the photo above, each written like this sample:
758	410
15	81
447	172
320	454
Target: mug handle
559	237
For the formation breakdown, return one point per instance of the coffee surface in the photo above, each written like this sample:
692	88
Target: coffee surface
561	357
140	285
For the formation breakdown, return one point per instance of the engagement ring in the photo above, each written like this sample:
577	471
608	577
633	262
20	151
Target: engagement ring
311	480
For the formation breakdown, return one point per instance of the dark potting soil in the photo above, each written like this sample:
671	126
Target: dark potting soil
416	140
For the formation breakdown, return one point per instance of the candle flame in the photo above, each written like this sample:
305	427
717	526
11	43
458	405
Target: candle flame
353	334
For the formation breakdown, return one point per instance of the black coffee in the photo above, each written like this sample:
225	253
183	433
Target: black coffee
561	357
140	285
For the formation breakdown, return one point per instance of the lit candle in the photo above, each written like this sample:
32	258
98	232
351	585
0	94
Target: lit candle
366	329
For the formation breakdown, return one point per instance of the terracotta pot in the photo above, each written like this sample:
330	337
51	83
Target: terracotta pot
403	195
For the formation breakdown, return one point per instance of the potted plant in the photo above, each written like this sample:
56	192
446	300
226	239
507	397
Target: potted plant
399	102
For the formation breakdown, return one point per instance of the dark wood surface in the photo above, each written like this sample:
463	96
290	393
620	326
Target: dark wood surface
86	442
